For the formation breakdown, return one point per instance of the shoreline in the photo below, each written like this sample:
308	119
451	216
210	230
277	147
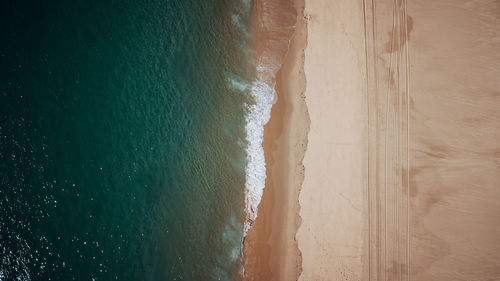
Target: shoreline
271	251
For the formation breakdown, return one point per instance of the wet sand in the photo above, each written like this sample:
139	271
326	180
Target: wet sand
271	251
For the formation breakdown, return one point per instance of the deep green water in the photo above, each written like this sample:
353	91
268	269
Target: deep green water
121	144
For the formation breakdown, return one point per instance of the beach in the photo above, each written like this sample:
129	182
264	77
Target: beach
332	197
382	152
271	251
254	140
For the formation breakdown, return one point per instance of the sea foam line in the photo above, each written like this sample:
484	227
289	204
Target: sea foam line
277	20
258	115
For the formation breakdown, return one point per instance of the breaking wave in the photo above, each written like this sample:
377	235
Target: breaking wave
268	36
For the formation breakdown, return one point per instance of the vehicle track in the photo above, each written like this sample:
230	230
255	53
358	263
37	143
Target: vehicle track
388	185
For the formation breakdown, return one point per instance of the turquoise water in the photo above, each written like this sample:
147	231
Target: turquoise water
123	139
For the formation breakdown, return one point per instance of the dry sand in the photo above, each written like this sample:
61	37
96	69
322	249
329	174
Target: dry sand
402	167
396	190
332	199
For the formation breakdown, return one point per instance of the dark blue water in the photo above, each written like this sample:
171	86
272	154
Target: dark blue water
122	152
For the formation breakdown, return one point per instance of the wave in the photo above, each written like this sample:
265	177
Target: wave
258	115
272	29
267	35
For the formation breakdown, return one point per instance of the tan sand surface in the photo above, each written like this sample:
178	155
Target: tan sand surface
398	190
454	87
401	176
332	197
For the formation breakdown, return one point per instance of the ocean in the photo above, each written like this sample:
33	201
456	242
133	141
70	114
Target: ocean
130	138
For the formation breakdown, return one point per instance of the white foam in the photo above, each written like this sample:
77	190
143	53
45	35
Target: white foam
240	24
259	113
236	82
267	62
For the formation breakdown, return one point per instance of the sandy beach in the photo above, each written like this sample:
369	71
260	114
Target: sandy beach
333	195
271	251
382	152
